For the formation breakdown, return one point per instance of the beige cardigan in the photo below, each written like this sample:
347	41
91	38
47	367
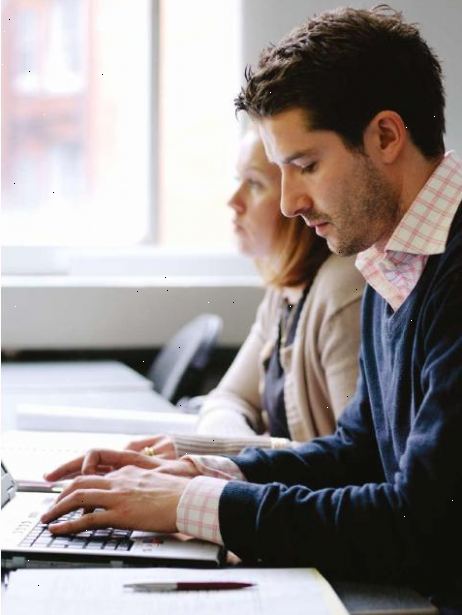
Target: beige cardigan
320	369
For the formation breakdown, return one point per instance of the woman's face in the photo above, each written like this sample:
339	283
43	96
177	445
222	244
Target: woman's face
256	200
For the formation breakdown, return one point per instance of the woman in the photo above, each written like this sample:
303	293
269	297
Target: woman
297	369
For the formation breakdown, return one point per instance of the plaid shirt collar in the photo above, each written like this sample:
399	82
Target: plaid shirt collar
423	230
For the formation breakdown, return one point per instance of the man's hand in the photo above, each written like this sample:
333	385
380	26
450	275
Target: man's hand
160	446
131	498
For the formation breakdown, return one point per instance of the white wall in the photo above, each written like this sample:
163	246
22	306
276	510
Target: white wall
92	313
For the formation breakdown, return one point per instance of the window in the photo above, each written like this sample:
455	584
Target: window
75	133
199	78
85	86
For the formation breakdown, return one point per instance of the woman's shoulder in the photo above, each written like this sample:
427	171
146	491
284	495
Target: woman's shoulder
270	306
338	282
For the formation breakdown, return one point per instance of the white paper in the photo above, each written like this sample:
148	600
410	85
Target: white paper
29	454
294	591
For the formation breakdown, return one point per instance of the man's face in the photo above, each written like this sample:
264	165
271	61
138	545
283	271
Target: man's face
337	191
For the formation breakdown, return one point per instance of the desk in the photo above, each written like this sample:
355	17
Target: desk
72	376
90	384
147	400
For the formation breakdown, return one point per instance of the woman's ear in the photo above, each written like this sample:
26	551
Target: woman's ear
385	137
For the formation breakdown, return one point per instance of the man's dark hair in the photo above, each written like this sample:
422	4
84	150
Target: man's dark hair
345	66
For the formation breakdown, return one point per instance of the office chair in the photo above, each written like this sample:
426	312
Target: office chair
179	367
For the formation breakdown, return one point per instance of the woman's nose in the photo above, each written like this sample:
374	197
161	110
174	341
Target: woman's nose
236	201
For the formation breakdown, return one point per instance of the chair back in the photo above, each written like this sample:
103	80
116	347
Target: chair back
185	356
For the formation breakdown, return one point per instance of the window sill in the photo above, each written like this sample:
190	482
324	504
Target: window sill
108	312
141	261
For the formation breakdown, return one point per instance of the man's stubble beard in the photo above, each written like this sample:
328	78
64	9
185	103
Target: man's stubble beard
375	219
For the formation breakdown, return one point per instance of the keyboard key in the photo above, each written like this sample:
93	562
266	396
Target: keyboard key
102	533
77	540
111	544
94	544
60	542
42	542
121	533
84	534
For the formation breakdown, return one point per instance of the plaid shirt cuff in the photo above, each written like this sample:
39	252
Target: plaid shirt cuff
197	511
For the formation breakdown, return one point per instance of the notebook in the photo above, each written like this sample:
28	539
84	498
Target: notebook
279	591
26	543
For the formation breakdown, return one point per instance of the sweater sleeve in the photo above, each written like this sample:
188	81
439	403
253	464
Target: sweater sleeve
349	456
329	507
197	444
234	407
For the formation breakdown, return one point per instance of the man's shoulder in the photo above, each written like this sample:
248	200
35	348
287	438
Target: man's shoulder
454	242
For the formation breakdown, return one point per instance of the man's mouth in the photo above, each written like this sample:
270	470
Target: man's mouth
320	226
315	223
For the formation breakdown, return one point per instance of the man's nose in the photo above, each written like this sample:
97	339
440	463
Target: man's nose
295	199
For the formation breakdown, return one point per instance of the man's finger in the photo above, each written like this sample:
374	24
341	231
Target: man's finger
84	482
89	521
80	498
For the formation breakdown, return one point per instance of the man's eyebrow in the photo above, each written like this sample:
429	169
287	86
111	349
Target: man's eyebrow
300	154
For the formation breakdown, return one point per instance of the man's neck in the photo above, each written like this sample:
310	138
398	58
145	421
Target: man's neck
416	171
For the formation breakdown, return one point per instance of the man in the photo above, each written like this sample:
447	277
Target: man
351	107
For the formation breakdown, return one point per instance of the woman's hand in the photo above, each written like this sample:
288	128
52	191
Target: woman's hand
160	446
101	461
130	498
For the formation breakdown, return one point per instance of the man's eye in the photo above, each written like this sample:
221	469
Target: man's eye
309	168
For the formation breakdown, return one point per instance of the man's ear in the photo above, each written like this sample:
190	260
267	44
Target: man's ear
385	137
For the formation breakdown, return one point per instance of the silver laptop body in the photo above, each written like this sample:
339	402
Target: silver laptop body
25	542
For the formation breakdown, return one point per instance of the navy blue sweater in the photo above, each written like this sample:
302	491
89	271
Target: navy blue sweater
381	499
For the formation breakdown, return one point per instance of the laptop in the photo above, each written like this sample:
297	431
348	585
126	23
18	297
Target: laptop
27	543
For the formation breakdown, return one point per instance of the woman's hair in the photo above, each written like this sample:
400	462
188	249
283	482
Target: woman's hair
297	254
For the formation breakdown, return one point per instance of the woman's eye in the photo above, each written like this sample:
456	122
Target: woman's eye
309	168
253	183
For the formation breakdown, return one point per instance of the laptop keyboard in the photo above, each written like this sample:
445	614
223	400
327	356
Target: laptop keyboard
102	539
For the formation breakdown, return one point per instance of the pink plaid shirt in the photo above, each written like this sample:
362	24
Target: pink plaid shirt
393	273
423	230
197	511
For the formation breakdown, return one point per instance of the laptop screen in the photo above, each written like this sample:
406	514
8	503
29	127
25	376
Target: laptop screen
8	486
